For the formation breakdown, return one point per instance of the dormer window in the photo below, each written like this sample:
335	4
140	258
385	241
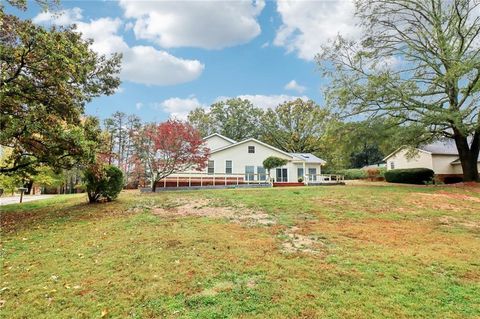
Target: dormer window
251	149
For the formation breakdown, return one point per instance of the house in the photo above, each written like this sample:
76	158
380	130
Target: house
243	161
441	157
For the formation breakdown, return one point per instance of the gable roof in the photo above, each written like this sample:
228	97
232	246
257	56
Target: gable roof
252	140
441	147
221	136
308	157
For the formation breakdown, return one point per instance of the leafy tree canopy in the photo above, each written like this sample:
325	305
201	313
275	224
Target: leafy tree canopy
273	161
234	118
47	77
295	126
417	62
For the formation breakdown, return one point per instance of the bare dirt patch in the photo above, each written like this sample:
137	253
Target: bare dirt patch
443	201
206	208
450	221
296	242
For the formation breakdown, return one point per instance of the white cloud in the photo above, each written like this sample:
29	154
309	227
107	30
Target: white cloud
138	105
307	25
147	65
61	17
265	101
294	86
179	108
140	64
204	24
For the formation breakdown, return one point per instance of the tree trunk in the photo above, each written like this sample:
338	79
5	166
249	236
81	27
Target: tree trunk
154	185
468	155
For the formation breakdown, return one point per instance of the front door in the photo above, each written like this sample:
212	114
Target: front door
282	175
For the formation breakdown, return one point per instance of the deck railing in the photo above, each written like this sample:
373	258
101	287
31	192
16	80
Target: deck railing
205	179
323	178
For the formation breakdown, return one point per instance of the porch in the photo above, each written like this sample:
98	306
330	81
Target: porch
205	180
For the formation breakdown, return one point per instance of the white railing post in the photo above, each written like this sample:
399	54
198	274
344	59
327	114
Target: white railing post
213	179
164	182
190	180
225	180
177	180
201	181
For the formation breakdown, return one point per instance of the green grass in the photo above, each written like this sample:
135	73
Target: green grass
378	252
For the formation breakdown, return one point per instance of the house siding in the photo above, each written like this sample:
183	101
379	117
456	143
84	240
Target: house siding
442	164
240	157
401	160
216	142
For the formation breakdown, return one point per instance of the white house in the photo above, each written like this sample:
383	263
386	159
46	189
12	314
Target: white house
244	160
441	157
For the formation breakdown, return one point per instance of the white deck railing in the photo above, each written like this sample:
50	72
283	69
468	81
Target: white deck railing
323	178
205	179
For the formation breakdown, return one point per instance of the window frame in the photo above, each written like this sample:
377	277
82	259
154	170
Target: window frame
212	167
228	168
251	147
250	176
261	173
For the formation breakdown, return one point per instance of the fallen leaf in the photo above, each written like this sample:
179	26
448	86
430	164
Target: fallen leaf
104	312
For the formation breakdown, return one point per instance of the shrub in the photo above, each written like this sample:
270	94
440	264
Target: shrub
103	182
453	179
354	173
409	175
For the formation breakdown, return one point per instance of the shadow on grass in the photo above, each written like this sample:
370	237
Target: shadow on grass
63	210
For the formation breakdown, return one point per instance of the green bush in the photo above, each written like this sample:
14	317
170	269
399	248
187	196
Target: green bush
410	176
354	173
103	182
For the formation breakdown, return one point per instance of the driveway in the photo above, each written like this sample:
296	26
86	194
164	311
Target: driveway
26	198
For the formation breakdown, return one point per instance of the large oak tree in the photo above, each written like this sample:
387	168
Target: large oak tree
47	77
418	62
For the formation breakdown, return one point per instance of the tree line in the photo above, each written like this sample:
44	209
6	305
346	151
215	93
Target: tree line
414	77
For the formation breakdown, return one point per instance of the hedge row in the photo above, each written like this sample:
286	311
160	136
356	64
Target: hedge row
409	175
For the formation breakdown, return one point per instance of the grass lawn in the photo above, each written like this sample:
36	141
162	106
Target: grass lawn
313	252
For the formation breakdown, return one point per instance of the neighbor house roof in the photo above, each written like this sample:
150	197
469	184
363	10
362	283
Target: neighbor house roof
308	157
442	147
221	136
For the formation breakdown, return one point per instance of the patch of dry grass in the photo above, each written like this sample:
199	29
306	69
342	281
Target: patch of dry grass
336	252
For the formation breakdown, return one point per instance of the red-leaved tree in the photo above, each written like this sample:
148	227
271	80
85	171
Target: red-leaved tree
170	147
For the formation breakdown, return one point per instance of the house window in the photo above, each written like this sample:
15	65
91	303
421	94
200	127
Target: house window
262	175
211	167
282	175
300	172
312	174
392	165
228	167
249	173
251	149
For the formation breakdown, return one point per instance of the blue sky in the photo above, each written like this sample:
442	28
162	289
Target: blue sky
178	55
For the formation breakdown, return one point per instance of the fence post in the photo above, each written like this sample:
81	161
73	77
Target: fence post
189	180
164	182
177	181
201	180
213	179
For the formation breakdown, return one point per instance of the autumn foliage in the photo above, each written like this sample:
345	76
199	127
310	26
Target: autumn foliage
170	147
